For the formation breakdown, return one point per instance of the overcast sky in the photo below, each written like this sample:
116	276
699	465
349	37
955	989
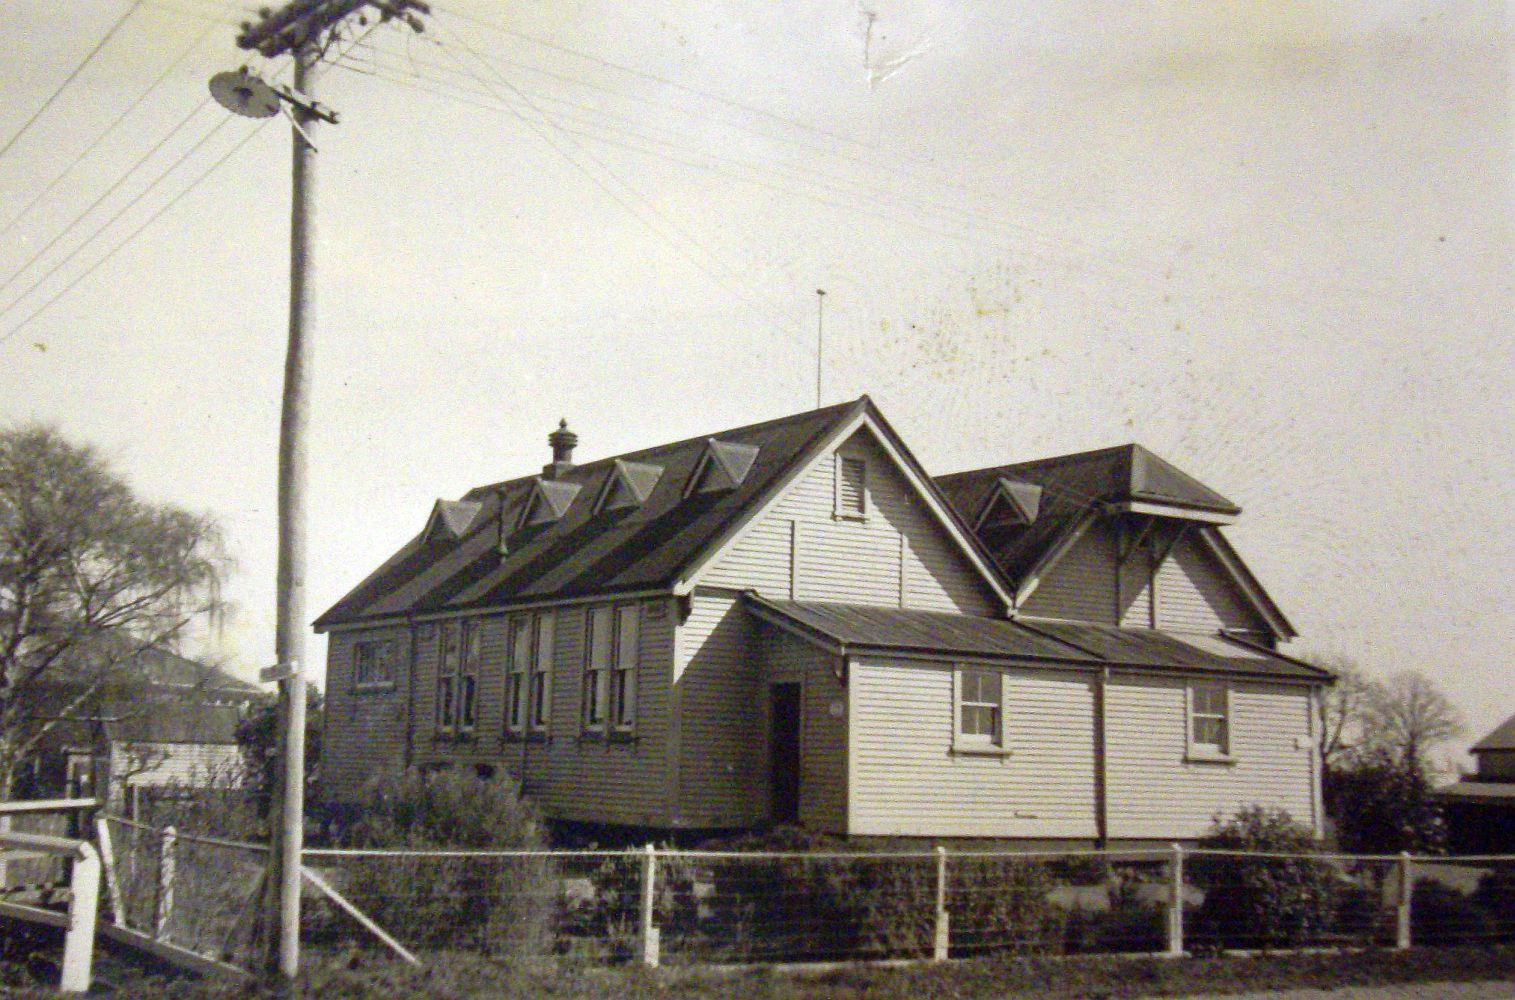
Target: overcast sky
1269	240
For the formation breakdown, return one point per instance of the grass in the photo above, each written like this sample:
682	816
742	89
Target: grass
450	976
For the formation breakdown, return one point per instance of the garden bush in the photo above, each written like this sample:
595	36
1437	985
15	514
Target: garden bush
499	905
1255	902
1495	895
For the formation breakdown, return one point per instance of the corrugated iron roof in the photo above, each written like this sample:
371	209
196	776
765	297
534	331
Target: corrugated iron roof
1479	791
165	721
1502	738
585	552
865	627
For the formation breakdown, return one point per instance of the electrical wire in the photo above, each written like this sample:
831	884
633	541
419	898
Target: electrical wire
53	184
134	233
71	78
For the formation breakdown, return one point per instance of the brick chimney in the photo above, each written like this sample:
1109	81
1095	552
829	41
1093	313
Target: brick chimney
562	441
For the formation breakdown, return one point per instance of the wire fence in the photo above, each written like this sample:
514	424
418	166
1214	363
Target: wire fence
663	906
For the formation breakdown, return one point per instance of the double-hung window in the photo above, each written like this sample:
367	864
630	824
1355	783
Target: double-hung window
979	710
528	701
458	652
612	639
449	658
1209	719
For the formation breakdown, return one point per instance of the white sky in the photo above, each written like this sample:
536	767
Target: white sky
1270	240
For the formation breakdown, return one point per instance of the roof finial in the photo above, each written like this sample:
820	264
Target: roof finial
562	441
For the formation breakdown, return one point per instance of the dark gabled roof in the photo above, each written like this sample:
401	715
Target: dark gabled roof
853	627
168	721
584	553
1074	484
1502	738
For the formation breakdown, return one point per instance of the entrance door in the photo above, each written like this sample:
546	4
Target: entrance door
784	751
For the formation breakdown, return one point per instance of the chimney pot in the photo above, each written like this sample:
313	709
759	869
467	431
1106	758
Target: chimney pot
562	441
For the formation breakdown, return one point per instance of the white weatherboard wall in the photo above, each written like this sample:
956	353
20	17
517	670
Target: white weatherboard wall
1155	792
1081	585
898	556
906	781
173	765
1195	595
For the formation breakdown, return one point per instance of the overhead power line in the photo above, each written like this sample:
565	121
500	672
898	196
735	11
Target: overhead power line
70	79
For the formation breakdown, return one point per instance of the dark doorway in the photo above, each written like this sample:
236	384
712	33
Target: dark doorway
784	751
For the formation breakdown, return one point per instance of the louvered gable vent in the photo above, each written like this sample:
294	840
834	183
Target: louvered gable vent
851	487
723	466
548	501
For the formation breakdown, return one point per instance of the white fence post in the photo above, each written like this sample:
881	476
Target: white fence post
649	908
112	877
1402	911
943	927
1176	903
83	908
167	856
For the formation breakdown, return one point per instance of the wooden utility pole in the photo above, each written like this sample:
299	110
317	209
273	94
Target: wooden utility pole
304	28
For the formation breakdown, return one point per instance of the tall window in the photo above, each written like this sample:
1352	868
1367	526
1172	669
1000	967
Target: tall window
610	667
851	487
517	673
541	672
449	656
468	676
623	688
980	711
1209	718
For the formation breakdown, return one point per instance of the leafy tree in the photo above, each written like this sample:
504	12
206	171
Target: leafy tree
1381	804
91	577
257	739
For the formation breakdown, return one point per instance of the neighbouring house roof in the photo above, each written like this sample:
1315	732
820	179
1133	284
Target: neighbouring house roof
852	627
1479	791
1502	738
163	721
585	551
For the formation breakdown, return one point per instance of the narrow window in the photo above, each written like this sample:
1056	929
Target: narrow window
1209	719
516	674
372	664
851	487
448	658
601	641
468	676
624	687
979	711
541	672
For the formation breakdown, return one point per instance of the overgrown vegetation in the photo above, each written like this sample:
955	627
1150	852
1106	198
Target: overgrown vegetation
1261	902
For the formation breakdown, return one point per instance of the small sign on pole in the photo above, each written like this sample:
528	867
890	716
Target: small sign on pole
277	672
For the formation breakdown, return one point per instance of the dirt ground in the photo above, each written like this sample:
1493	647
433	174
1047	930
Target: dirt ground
1411	991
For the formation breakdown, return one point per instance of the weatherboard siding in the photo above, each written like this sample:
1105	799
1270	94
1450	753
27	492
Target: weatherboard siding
721	765
173	766
365	729
1081	585
823	726
1194	594
907	781
1155	792
898	555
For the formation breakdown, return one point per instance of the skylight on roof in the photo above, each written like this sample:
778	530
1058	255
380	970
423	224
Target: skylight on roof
723	466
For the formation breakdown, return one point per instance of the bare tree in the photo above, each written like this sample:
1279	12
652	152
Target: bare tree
1409	716
1340	708
90	577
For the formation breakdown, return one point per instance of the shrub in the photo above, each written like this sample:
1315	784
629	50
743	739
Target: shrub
500	905
1261	902
1495	895
1439	914
1129	925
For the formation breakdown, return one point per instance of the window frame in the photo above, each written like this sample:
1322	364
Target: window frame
517	674
609	691
539	672
446	703
992	744
1197	749
838	510
376	653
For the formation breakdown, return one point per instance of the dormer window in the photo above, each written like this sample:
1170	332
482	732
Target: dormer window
450	519
628	486
723	466
548	501
851	488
